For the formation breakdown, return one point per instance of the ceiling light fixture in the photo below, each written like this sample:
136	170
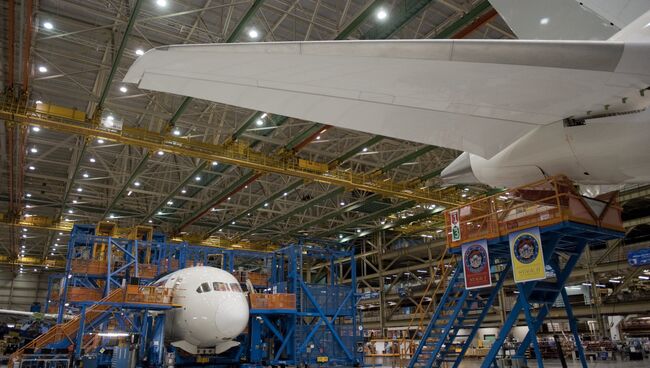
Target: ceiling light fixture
253	34
139	52
382	14
48	25
123	89
42	69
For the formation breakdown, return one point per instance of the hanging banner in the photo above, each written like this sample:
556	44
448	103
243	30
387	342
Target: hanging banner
476	265
455	225
527	256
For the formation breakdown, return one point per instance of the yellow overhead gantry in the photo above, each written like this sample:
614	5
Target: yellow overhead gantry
71	121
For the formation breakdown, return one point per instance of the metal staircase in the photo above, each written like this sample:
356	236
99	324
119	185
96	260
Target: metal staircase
455	322
69	329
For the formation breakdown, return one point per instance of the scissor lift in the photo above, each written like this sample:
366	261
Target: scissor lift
567	222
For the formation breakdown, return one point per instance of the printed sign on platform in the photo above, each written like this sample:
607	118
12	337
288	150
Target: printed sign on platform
476	265
527	255
455	225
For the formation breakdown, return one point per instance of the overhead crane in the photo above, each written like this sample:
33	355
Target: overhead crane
67	121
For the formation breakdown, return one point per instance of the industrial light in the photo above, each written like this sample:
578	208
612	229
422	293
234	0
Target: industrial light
285	194
170	203
340	236
110	118
160	153
139	52
123	89
150	221
85	175
112	216
74	201
136	183
197	178
215	163
38	102
183	191
266	204
36	129
644	277
80	189
162	4
100	141
42	69
60	233
318	137
228	198
342	203
160	212
176	132
253	33
129	193
32	168
358	230
24	235
28	195
365	149
28	206
615	281
58	239
33	150
259	122
48	25
233	222
70	211
92	159
543	21
382	14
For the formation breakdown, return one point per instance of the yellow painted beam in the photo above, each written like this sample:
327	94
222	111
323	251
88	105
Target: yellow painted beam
233	153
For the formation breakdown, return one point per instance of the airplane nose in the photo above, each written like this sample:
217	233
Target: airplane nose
232	318
459	171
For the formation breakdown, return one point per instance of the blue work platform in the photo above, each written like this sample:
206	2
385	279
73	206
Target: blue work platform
460	312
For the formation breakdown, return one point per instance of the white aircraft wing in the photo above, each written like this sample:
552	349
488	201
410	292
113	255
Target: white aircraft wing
475	96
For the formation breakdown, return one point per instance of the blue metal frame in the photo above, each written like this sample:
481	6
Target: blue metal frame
327	324
567	238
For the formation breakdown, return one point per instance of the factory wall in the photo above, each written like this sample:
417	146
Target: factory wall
18	291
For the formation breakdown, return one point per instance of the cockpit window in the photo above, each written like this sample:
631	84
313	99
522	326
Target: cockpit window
205	287
198	290
220	286
235	287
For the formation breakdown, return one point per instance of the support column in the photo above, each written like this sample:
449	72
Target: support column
379	246
596	300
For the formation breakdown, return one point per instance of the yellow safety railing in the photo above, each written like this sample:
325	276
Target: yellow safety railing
542	203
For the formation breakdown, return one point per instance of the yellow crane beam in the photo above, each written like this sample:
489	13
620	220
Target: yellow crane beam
70	121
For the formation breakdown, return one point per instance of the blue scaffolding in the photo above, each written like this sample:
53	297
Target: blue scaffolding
567	223
325	327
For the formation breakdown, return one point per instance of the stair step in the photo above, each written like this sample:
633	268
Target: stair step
546	286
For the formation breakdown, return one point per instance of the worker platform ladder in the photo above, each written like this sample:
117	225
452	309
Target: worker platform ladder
455	321
68	331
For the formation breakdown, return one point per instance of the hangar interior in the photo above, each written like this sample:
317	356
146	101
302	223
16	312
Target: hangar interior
343	242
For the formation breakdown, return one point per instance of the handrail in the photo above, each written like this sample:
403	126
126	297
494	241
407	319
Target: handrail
445	271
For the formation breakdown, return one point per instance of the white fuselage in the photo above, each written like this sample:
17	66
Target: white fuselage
214	309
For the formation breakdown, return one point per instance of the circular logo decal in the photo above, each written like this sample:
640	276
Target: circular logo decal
526	248
475	259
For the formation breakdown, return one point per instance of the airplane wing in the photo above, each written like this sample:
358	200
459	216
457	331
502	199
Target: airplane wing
475	96
569	19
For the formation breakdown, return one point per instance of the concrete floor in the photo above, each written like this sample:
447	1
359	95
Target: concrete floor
549	363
